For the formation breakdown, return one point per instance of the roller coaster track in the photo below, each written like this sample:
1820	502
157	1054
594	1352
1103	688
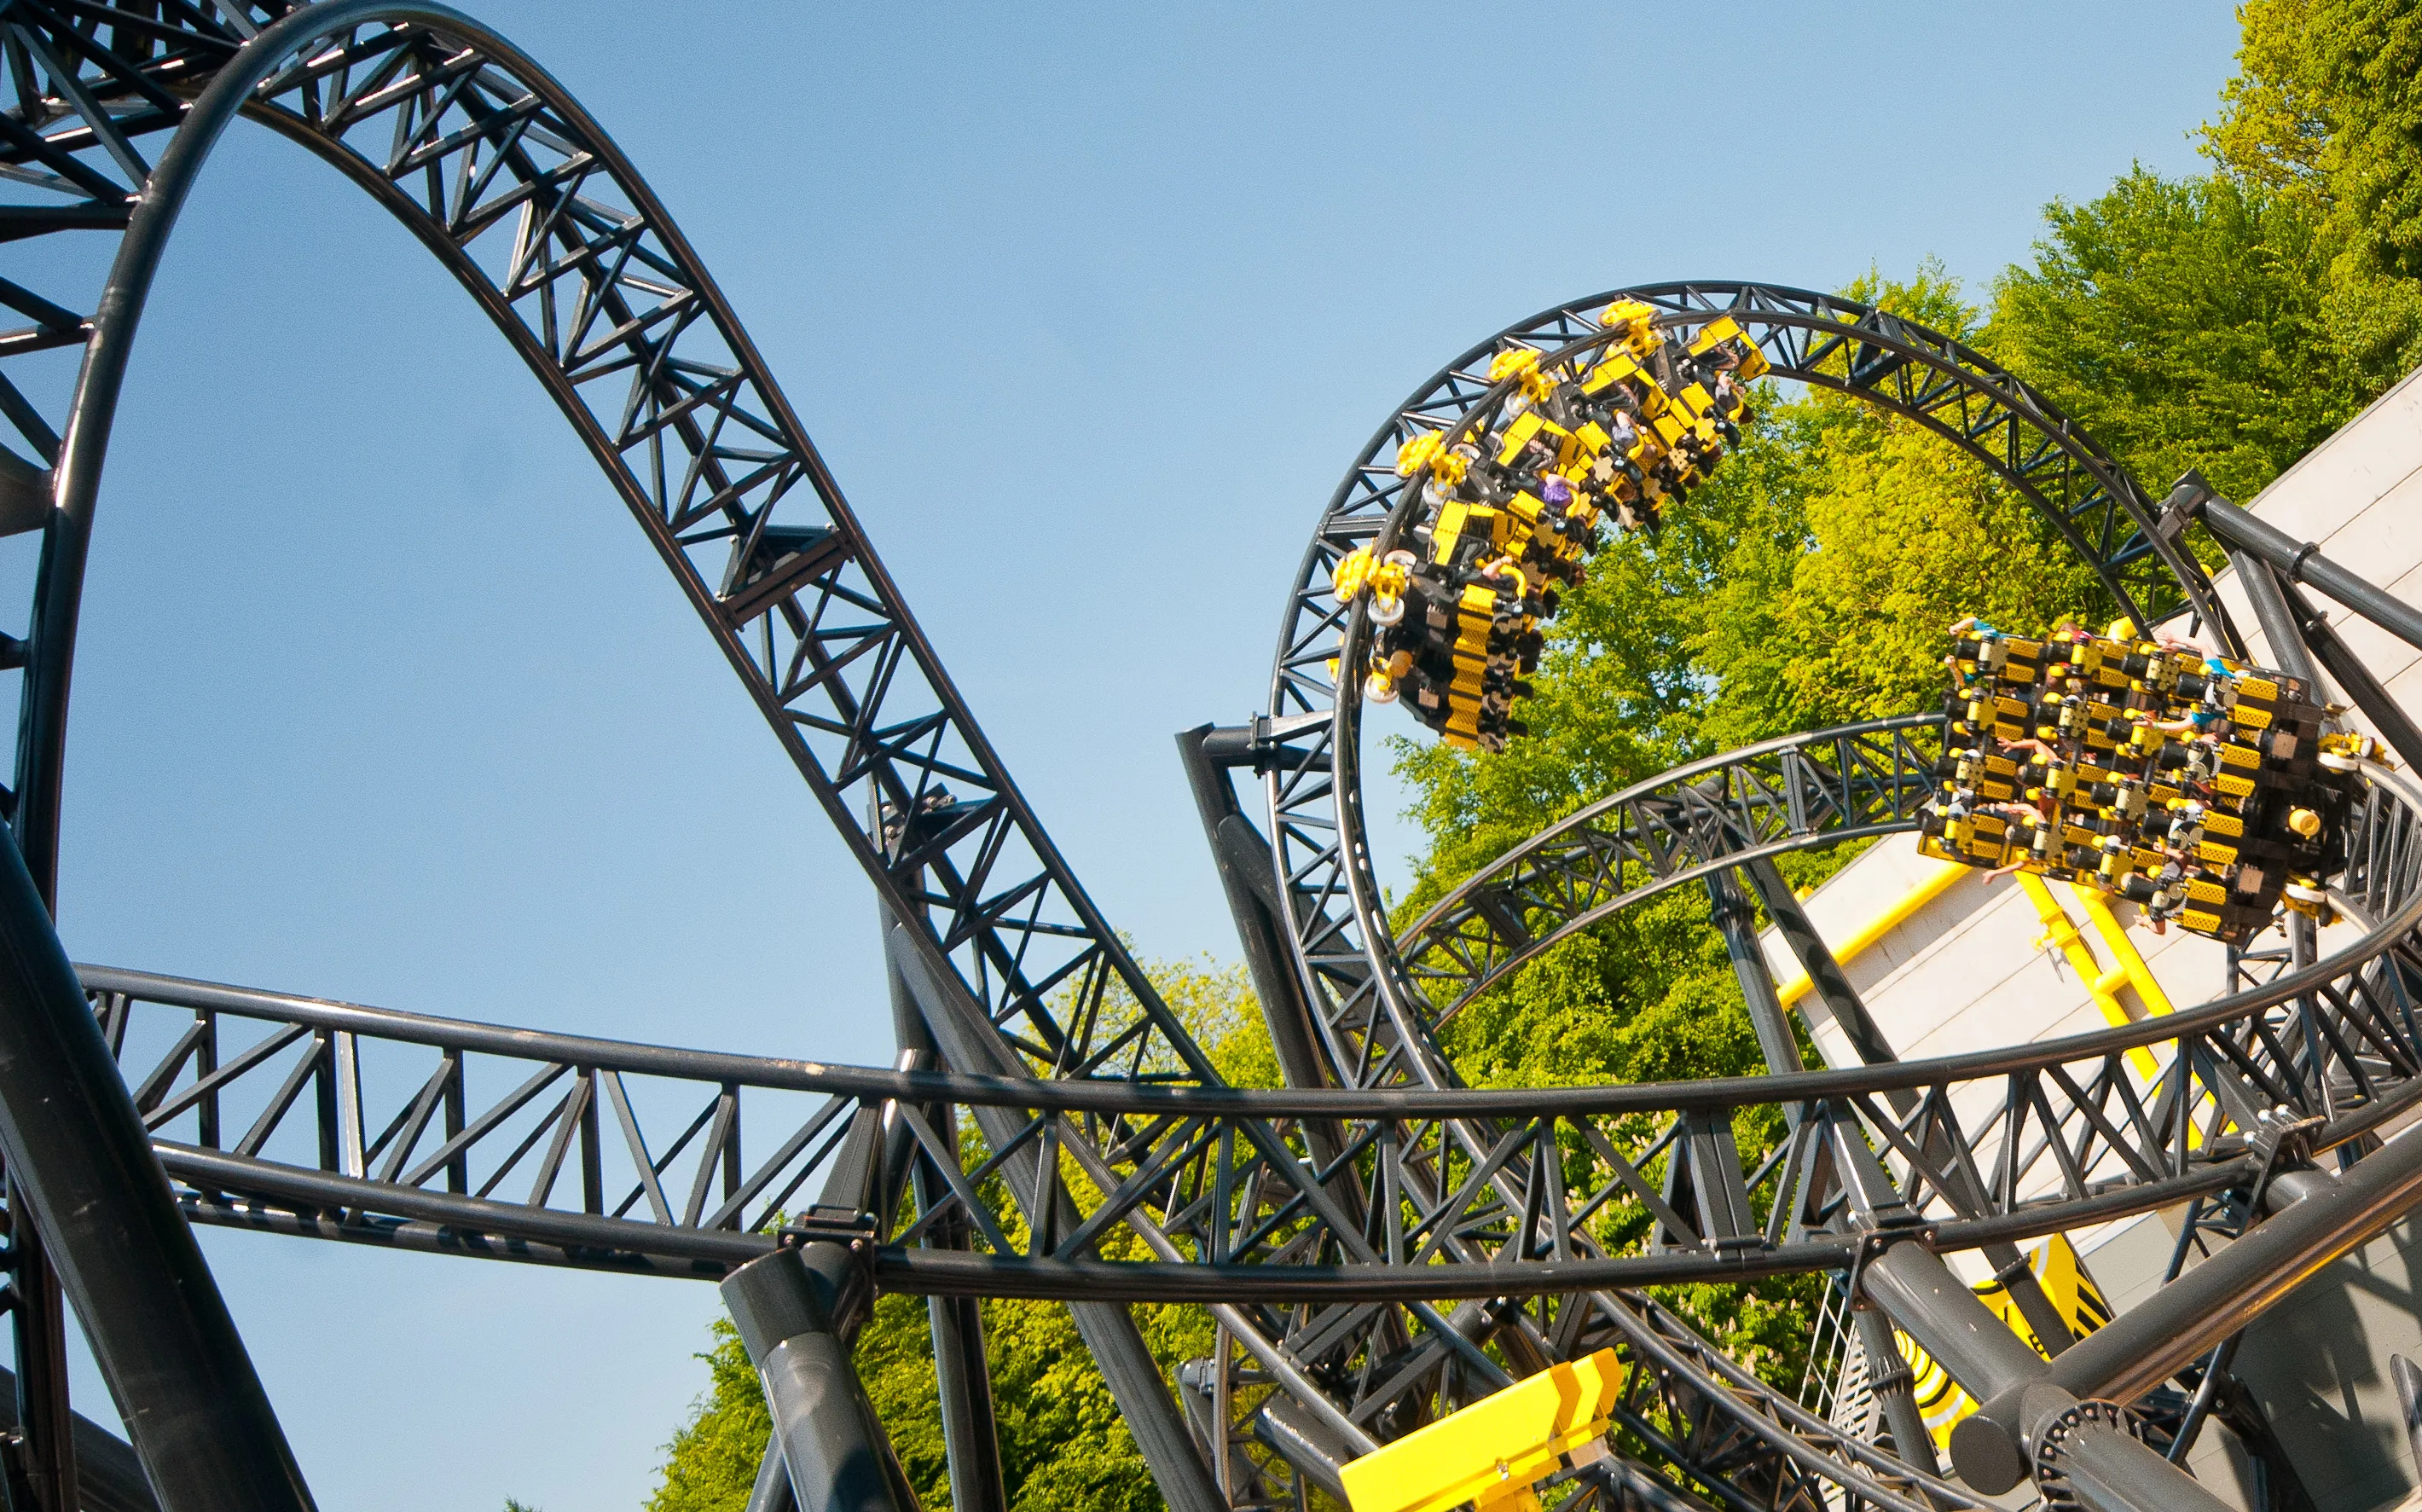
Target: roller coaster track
1312	733
333	1121
509	183
1378	1003
619	1155
1792	793
1317	1224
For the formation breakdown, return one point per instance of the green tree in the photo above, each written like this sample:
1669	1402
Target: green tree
2182	323
712	1461
2327	107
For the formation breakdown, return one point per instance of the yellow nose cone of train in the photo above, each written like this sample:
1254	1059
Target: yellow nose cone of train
1494	1450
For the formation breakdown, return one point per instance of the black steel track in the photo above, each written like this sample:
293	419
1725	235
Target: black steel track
1376	1002
1370	1024
393	1129
520	193
619	1154
1313	1225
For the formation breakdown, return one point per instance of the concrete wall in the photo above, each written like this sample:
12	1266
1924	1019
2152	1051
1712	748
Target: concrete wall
1970	971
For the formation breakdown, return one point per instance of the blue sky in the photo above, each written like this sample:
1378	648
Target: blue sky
382	697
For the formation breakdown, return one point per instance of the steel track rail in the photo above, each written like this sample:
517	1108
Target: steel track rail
621	1155
1794	793
1320	854
550	228
1768	1445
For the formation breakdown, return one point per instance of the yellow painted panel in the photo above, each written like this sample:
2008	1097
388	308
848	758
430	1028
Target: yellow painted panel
1495	1449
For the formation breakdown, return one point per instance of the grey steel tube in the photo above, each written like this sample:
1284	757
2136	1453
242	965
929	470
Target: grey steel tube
970	1432
125	1257
2300	561
1291	1431
2109	1472
1768	1020
1826	978
962	1375
2356	680
832	1443
1936	1308
1109	1329
1890	1382
1886	1373
1283	1009
1831	985
109	1475
772	1492
2288	651
2153	1341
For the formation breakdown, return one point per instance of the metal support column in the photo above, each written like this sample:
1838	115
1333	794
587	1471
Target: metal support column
1145	1404
2280	628
962	1371
772	1492
2297	562
2301	642
2356	680
84	1165
2158	1337
1826	978
1916	1290
1768	1018
1888	1378
832	1443
1832	985
1242	855
109	1474
42	1465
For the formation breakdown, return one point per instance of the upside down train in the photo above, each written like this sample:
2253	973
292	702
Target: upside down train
1512	502
2206	791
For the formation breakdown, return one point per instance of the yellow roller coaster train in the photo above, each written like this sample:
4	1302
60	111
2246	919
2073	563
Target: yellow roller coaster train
2208	791
1513	510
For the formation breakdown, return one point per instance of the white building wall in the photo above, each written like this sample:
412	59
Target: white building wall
1970	971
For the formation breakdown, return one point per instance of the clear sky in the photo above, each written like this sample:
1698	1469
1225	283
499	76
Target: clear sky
382	697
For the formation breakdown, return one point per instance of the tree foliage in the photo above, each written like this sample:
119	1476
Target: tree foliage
2326	109
2181	323
2229	321
712	1461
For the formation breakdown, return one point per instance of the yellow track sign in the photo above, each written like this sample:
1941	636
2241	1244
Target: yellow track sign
1492	1453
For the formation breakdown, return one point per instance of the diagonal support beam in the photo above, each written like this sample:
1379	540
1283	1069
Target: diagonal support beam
1242	859
828	1434
1832	987
971	1428
77	1152
1109	1329
1893	1387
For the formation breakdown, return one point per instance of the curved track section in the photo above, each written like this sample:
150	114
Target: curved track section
1324	868
549	228
621	1155
1793	793
510	183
